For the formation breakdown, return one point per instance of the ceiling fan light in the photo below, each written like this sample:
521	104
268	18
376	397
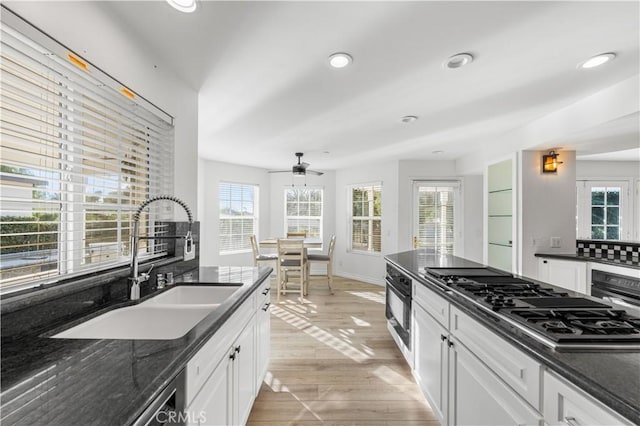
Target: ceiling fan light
186	6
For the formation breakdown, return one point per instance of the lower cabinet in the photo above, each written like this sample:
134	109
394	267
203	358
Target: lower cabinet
564	273
227	395
565	405
430	363
478	397
263	339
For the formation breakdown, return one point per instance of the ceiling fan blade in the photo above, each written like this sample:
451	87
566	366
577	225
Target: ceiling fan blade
304	165
278	171
314	172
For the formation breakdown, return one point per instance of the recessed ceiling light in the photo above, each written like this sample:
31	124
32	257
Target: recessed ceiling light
186	6
597	60
408	118
438	151
459	60
340	60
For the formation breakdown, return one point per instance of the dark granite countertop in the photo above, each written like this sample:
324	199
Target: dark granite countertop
65	382
610	376
615	261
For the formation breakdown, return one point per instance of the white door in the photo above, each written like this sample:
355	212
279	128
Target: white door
436	217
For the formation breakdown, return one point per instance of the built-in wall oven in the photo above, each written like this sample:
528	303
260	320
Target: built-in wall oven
622	290
398	309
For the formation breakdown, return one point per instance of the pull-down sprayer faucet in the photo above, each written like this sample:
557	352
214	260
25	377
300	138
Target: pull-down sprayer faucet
189	247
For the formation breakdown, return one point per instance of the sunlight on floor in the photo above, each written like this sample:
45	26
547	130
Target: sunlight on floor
374	296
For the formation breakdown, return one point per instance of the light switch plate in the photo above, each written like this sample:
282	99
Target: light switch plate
555	242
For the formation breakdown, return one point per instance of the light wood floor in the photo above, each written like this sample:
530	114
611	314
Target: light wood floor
334	363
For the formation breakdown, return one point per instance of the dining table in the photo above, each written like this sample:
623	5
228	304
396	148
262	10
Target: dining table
309	242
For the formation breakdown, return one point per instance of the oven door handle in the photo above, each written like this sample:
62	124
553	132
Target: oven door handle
398	293
619	301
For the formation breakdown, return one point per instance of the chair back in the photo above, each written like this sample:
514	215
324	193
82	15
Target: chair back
332	246
254	247
301	234
291	252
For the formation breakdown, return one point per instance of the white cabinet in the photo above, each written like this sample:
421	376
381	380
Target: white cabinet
565	405
430	362
224	377
469	375
563	273
263	331
478	397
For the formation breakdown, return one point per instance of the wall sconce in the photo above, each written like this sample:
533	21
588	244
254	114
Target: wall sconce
550	162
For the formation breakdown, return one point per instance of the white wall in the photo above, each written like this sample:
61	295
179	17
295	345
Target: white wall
548	208
113	48
212	173
365	266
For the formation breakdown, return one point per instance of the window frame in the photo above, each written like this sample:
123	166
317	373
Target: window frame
350	216
320	218
458	200
255	217
583	207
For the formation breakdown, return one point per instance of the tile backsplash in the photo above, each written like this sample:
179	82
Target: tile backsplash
608	249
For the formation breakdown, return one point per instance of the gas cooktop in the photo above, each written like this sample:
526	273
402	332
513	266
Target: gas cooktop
554	317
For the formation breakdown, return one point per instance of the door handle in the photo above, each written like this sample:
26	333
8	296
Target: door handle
415	242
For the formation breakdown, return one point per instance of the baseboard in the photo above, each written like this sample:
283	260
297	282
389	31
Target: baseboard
362	278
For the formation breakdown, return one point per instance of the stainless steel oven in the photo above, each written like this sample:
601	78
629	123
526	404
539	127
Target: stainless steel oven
623	291
398	309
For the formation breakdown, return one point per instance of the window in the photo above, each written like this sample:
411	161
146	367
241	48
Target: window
366	218
435	213
78	157
238	216
304	211
602	210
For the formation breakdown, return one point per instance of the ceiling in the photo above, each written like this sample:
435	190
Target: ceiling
266	90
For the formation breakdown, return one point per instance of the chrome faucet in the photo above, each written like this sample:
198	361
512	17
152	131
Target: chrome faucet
189	246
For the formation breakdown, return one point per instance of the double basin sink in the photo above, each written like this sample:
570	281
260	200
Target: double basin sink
169	315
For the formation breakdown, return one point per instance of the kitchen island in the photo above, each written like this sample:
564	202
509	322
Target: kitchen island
48	381
611	377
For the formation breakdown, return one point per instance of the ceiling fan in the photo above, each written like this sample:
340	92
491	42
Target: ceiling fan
299	169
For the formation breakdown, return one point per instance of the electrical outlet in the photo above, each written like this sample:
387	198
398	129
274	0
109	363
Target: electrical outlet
555	242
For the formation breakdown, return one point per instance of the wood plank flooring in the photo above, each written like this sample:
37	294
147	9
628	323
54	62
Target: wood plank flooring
334	363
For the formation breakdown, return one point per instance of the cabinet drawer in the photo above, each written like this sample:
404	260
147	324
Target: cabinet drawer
564	404
200	367
431	302
517	369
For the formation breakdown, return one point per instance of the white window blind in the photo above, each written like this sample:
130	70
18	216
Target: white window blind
366	218
304	211
435	217
79	154
238	216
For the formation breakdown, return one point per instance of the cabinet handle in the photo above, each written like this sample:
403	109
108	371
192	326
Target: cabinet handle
266	307
266	290
232	357
443	337
238	349
450	343
571	421
544	261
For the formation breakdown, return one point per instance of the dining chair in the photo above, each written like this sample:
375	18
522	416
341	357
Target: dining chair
258	258
326	259
301	234
292	263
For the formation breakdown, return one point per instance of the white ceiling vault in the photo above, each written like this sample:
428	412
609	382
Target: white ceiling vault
267	91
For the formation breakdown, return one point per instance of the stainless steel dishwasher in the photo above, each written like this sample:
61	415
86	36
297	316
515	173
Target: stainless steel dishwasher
169	407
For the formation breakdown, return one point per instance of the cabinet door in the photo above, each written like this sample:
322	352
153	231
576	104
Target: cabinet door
245	373
566	405
212	405
430	351
567	274
478	397
263	351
